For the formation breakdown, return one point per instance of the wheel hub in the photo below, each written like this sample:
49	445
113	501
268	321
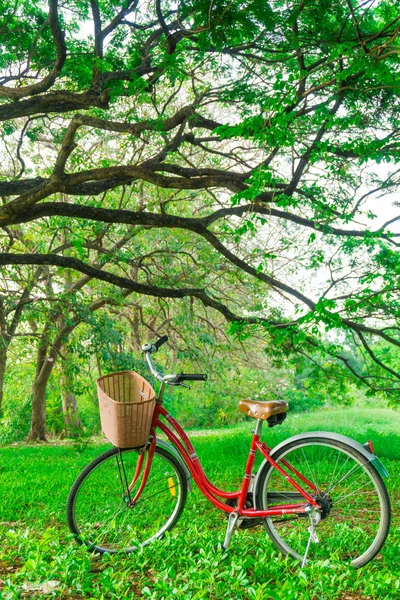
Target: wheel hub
326	504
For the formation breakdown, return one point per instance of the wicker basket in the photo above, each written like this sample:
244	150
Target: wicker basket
126	403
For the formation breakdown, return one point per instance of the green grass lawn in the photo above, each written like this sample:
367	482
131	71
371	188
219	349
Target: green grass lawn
39	558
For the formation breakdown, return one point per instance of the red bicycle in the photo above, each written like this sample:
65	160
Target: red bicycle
318	495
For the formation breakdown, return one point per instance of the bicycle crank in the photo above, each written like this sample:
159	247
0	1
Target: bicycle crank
244	523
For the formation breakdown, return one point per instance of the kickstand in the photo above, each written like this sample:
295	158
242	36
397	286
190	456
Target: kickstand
313	538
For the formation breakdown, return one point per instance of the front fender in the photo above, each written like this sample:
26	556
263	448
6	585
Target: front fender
170	448
371	458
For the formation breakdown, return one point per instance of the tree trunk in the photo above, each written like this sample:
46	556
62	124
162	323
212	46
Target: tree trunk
72	422
44	367
3	361
38	422
4	342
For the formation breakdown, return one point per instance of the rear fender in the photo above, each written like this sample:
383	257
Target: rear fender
371	458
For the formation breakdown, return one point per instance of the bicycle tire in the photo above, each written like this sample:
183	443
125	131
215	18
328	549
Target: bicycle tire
98	510
356	506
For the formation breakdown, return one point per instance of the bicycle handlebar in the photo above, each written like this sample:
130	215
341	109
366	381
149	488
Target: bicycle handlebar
170	378
160	341
191	377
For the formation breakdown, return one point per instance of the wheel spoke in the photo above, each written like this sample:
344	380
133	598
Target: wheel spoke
343	478
357	491
310	471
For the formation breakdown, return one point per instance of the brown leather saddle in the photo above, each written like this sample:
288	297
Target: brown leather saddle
264	410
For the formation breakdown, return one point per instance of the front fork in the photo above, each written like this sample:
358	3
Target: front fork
148	452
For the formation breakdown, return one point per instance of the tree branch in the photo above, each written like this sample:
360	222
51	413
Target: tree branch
128	284
61	54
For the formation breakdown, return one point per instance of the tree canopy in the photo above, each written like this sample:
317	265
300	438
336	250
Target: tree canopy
246	150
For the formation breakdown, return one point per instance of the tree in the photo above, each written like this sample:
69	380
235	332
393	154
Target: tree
253	127
62	317
15	293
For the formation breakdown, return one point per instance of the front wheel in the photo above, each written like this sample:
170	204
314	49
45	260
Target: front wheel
355	506
100	511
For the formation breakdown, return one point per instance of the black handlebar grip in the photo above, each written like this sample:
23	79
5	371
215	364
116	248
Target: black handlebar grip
161	341
192	377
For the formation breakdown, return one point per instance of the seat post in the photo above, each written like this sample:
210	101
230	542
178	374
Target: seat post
258	428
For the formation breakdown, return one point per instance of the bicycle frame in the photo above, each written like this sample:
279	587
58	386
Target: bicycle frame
181	441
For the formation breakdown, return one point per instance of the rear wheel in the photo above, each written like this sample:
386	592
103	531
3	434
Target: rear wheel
355	506
100	511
